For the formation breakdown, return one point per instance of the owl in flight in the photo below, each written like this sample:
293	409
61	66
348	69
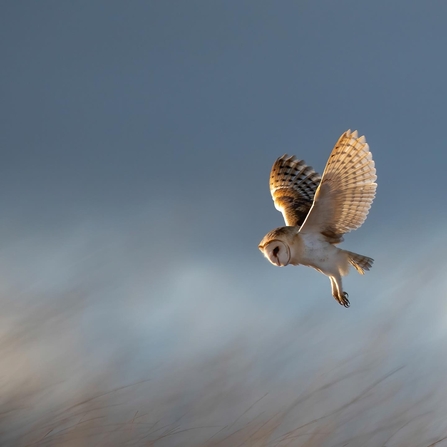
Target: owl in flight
319	210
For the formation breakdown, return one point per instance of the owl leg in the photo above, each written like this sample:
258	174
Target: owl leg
337	290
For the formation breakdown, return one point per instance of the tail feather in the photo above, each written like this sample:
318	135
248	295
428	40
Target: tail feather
359	262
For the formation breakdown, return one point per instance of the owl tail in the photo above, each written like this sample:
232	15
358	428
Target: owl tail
359	262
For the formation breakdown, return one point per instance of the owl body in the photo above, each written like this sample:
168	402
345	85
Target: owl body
312	252
318	211
319	254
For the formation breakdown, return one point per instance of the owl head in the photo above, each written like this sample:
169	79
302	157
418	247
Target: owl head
277	245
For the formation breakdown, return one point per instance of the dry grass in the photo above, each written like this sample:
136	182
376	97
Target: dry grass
99	421
222	402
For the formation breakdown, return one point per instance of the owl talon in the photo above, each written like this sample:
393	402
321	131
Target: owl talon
343	299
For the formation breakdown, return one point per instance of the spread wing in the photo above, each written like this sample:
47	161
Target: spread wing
293	185
346	191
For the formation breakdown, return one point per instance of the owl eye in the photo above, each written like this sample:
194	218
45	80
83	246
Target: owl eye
275	251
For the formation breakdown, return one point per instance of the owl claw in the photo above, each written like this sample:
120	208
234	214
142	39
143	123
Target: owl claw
343	299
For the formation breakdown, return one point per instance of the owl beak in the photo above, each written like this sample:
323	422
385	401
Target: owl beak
277	262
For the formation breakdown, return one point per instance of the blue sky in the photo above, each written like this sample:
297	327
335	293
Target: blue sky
136	144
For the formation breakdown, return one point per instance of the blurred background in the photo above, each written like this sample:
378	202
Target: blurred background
136	142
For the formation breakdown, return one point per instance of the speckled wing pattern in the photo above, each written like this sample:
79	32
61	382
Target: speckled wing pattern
293	185
346	191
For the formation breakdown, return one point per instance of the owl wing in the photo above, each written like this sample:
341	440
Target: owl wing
293	185
346	190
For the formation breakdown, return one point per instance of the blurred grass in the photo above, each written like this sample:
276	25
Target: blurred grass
223	401
94	421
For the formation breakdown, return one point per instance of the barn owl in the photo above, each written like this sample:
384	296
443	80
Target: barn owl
318	211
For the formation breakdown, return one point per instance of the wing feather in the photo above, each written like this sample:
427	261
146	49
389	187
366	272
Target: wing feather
293	185
346	191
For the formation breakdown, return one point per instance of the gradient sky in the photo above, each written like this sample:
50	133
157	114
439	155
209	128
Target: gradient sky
136	142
